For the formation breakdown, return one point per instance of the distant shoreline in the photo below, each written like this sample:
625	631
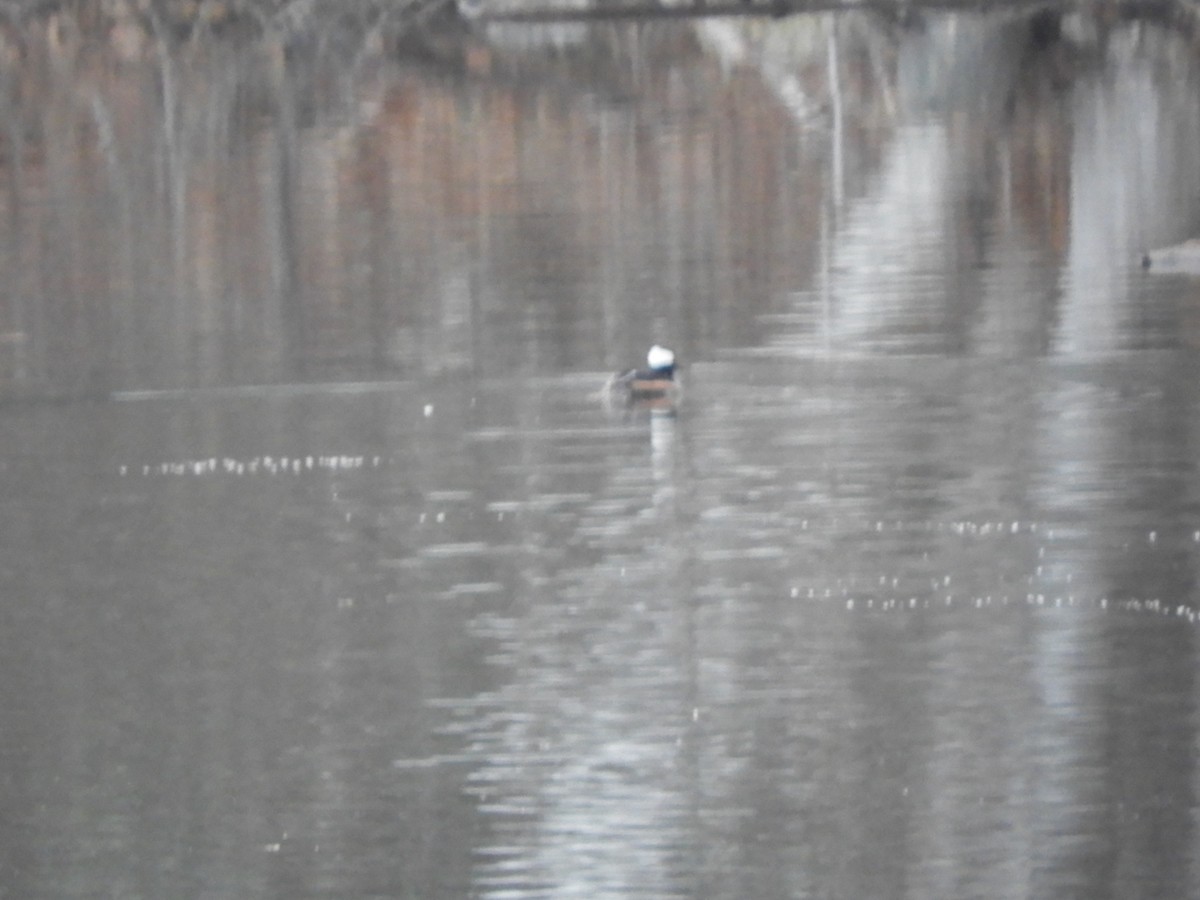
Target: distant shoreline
298	20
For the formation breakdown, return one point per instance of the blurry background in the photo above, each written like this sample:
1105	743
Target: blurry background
324	572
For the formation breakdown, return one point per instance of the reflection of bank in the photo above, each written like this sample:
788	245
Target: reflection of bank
993	176
939	226
1130	187
1112	448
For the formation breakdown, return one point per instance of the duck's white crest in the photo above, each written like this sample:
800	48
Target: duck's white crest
660	357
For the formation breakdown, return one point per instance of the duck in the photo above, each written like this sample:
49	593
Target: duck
654	384
1179	258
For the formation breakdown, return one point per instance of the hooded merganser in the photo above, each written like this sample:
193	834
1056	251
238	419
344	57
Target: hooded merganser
654	383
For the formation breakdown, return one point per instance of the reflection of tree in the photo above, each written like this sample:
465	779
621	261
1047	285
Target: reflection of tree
255	212
266	210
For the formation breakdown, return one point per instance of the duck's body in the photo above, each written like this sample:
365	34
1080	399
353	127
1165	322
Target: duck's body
654	384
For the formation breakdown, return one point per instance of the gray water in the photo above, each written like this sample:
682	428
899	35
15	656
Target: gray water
326	573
